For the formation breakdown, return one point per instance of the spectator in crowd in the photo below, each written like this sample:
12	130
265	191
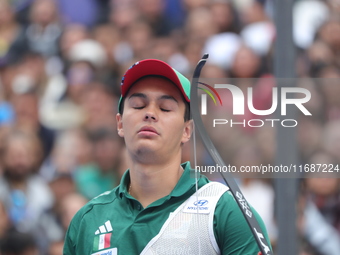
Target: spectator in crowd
103	174
70	204
44	30
225	16
25	195
26	108
10	29
152	11
258	32
324	191
99	104
123	14
321	212
18	243
72	34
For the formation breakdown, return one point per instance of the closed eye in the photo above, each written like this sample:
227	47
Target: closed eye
164	110
138	108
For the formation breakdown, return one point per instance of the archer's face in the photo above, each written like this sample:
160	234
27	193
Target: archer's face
153	121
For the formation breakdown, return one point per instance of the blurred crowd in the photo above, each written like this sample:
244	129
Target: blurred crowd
61	63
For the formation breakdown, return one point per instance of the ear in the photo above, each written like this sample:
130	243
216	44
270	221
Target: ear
120	125
187	131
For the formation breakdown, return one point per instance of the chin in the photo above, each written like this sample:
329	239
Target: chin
145	151
146	154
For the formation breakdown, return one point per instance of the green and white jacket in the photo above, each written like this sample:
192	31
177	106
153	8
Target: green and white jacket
184	222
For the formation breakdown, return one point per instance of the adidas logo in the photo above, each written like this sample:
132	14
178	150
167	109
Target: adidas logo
102	239
104	228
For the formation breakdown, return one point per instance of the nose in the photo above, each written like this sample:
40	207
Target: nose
150	114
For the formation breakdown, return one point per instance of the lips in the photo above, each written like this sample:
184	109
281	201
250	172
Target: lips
148	130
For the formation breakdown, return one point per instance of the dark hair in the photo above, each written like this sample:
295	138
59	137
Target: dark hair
15	242
187	115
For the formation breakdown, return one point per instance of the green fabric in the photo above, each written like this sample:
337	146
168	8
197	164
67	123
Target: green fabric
134	226
185	82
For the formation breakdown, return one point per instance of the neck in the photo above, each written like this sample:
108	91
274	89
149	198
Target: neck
152	182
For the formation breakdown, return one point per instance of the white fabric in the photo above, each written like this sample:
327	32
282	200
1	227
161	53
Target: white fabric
319	233
222	49
259	37
188	231
88	50
308	16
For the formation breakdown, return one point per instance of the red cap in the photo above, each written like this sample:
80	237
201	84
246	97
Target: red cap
154	67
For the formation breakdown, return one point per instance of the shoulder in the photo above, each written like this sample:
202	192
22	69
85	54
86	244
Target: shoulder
85	218
93	209
105	198
231	229
216	189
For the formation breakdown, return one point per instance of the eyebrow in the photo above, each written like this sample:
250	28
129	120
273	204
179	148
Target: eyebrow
168	97
141	95
137	95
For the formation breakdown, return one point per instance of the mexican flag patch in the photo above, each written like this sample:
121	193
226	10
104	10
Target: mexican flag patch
102	241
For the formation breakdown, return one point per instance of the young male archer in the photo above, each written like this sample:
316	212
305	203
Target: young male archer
156	209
